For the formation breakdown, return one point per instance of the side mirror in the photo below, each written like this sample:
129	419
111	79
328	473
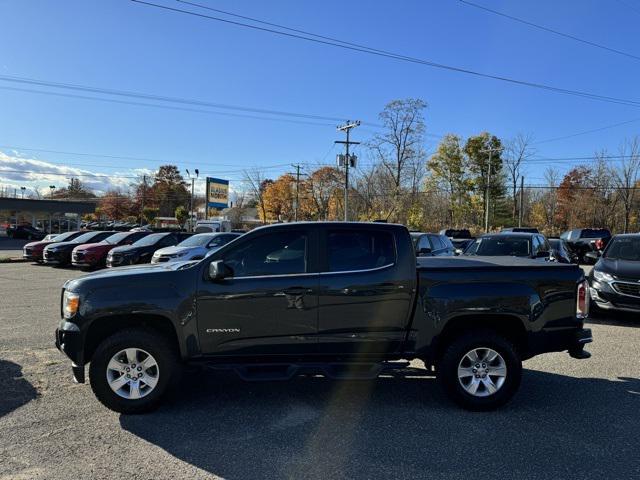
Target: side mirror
218	270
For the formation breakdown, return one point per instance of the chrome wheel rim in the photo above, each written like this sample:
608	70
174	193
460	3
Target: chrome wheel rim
482	372
132	373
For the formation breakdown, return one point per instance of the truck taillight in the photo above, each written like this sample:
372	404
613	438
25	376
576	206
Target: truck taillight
582	302
599	244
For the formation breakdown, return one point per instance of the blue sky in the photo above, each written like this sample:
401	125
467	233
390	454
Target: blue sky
127	46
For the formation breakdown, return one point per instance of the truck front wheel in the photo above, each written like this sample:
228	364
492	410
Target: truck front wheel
480	370
131	370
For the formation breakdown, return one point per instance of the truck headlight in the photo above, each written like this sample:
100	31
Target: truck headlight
602	276
70	304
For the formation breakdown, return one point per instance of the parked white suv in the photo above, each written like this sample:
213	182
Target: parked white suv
195	247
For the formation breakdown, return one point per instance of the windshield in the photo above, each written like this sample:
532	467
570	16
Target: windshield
115	239
624	248
150	239
85	237
595	233
207	227
196	240
64	236
500	246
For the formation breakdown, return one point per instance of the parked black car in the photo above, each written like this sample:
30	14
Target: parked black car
341	299
561	251
142	250
432	245
461	233
25	232
460	238
59	253
615	278
584	240
527	245
519	230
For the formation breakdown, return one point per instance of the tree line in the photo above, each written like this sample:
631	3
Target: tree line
452	187
398	181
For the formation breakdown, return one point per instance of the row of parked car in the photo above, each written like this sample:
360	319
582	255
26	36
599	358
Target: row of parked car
614	280
574	246
92	249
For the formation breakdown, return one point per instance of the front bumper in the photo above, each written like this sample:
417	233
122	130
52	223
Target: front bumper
69	341
605	296
55	258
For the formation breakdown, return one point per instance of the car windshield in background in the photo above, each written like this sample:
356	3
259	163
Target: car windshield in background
595	233
457	233
196	240
63	237
500	246
85	237
149	239
116	238
624	249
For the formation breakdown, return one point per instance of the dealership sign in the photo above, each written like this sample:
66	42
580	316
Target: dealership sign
217	193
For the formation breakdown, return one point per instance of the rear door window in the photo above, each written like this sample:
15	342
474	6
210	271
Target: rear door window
350	250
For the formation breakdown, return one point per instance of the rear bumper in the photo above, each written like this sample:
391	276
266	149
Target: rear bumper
572	340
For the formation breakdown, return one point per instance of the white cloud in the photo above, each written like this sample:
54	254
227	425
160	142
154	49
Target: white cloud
17	171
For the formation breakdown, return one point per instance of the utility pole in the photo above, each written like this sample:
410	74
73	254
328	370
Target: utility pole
297	201
521	212
347	128
487	188
23	189
144	194
487	194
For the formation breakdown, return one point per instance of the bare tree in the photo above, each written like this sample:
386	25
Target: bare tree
256	182
518	150
625	177
400	148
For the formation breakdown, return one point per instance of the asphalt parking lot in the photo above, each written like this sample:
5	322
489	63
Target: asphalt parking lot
571	418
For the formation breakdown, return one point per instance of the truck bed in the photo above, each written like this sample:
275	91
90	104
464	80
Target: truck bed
475	262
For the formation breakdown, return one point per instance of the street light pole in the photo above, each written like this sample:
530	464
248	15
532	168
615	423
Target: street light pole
23	189
193	179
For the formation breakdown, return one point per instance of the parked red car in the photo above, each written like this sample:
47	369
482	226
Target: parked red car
94	255
33	251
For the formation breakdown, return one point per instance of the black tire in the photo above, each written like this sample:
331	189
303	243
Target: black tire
455	352
147	340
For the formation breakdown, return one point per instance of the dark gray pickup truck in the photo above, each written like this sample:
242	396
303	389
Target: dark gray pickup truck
344	300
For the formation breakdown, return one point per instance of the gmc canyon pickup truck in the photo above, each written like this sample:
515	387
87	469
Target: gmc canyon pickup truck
345	300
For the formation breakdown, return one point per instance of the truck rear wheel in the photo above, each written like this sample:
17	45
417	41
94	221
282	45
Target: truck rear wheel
480	370
131	370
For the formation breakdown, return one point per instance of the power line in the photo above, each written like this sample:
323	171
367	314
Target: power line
586	132
549	30
160	98
168	107
395	56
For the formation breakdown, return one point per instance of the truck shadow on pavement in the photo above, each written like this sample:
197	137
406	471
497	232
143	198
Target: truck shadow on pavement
618	318
556	427
15	390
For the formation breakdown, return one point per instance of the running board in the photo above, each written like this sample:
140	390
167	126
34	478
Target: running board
286	371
